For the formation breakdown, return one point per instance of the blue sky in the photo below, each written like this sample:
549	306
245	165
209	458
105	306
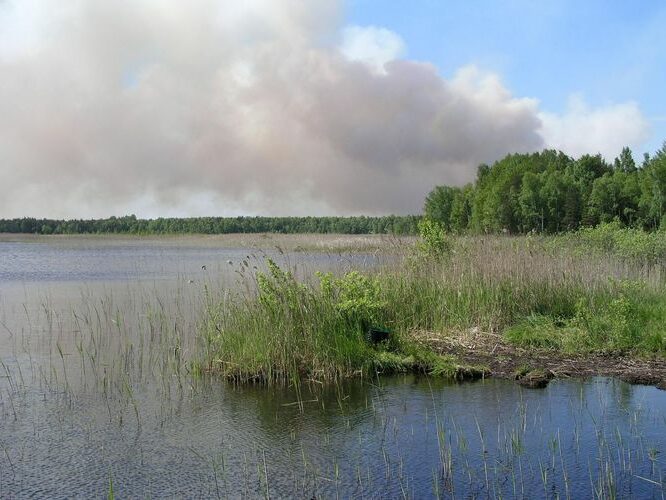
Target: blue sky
606	51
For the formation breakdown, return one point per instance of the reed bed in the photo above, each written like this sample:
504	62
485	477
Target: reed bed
538	292
141	353
338	243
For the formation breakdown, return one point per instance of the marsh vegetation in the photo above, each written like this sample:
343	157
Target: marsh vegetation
595	291
113	374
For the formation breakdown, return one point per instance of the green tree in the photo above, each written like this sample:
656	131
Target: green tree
626	160
461	209
439	203
603	201
553	194
532	209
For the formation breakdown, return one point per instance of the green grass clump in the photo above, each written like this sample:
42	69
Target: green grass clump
535	331
623	318
613	238
422	360
292	330
536	296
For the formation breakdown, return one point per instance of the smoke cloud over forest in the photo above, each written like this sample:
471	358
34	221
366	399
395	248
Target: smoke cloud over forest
273	107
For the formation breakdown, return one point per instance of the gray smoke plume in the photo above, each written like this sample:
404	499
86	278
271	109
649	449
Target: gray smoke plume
213	108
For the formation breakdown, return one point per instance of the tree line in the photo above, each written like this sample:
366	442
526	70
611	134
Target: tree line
130	224
551	192
546	192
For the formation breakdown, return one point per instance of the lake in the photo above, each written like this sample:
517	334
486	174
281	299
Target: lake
96	395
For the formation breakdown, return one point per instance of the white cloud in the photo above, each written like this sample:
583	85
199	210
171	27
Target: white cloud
161	106
606	129
371	45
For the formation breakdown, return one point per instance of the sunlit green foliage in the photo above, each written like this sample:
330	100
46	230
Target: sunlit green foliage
355	296
434	242
550	192
292	330
540	292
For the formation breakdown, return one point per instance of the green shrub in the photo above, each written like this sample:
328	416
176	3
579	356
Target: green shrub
434	240
355	296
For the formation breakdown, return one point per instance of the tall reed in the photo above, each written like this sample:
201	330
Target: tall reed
539	294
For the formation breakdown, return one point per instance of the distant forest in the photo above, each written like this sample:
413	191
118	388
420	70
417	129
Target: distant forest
391	224
550	192
546	192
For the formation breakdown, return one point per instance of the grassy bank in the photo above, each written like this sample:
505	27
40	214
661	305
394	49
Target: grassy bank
535	292
292	330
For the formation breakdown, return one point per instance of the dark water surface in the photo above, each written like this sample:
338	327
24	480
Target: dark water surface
95	394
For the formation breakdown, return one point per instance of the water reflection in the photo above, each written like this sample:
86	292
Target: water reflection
414	436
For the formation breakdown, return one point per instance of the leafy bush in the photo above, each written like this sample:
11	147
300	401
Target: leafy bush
355	296
434	240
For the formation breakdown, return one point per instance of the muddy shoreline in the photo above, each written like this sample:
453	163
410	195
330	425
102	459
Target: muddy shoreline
507	361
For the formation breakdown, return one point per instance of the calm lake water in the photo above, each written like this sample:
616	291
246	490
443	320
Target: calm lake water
95	395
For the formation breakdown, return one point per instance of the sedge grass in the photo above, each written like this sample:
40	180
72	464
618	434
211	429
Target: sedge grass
537	294
291	331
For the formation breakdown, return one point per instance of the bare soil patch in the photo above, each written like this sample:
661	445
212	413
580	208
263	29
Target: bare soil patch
505	360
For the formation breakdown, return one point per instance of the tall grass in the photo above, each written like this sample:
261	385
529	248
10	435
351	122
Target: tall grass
541	293
293	330
627	243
